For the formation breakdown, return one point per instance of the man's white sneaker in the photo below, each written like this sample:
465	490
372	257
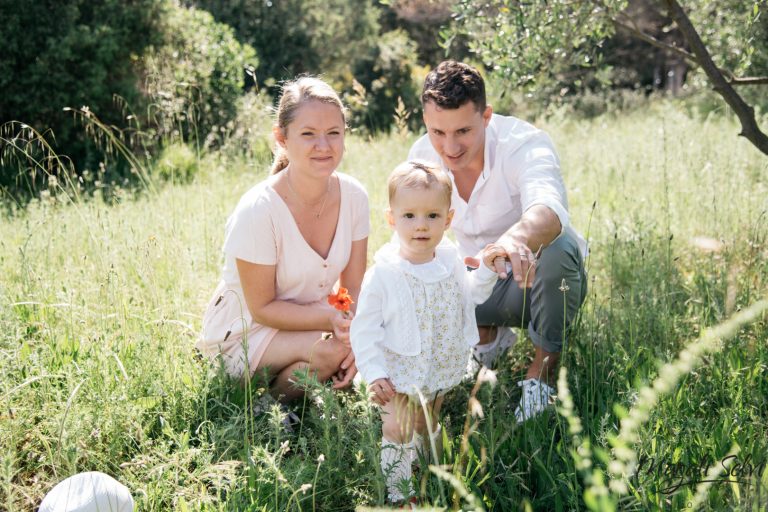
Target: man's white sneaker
536	397
488	355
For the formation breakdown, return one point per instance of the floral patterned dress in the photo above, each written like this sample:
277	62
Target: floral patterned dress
444	351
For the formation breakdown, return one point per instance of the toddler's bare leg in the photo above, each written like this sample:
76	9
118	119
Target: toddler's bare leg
397	449
428	433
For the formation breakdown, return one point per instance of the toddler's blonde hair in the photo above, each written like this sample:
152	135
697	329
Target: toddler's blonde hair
419	174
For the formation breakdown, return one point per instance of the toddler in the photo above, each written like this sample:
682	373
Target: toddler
415	322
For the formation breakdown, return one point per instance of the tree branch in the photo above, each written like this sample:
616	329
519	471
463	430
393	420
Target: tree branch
749	80
691	58
746	114
656	42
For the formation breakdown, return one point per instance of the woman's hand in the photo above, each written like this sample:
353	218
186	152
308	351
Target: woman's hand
340	325
381	391
347	371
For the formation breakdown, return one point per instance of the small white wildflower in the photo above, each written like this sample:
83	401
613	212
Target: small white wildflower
615	467
618	486
624	453
320	458
564	287
305	487
647	395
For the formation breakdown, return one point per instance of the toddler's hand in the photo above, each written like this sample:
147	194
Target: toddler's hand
381	391
495	258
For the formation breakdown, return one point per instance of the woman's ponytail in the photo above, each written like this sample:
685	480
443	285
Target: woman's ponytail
280	162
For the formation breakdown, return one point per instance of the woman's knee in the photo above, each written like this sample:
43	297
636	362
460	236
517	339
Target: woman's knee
327	356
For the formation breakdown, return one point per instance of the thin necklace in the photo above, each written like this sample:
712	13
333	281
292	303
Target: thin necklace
318	213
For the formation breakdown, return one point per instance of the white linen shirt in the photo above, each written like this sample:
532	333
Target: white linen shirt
520	170
385	316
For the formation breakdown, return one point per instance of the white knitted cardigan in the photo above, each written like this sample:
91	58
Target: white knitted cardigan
385	316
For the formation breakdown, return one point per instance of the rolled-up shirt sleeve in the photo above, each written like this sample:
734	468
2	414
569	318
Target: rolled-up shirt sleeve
539	179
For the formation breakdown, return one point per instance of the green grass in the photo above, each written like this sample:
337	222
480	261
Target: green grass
100	306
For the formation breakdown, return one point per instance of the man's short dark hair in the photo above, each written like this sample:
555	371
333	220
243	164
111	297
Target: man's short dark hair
452	84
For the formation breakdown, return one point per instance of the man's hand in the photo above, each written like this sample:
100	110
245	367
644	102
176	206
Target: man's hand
381	391
521	258
537	228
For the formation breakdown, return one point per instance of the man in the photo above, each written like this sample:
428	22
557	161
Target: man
507	189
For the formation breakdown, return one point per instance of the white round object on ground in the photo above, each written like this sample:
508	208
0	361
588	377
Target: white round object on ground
88	492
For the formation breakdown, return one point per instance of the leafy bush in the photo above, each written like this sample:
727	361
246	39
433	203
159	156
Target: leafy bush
250	132
195	77
177	163
337	39
178	71
301	36
388	76
69	54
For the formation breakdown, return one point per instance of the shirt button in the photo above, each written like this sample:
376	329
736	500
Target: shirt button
321	285
325	265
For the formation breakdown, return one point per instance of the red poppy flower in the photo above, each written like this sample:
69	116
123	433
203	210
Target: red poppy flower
341	300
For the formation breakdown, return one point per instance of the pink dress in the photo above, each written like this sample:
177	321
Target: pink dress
262	230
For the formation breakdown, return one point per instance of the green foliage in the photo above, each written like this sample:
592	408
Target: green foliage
736	34
249	134
387	75
556	47
147	74
194	77
70	54
341	41
177	162
525	41
423	20
297	36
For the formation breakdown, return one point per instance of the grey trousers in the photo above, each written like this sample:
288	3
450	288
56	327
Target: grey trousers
541	308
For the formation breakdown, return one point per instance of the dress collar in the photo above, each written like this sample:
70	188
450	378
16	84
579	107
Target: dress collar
433	271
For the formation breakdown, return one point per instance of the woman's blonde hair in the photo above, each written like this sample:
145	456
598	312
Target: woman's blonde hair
419	174
296	93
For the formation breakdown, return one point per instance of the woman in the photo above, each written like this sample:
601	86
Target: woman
289	240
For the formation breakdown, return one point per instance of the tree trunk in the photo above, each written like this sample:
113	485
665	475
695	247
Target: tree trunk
746	114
